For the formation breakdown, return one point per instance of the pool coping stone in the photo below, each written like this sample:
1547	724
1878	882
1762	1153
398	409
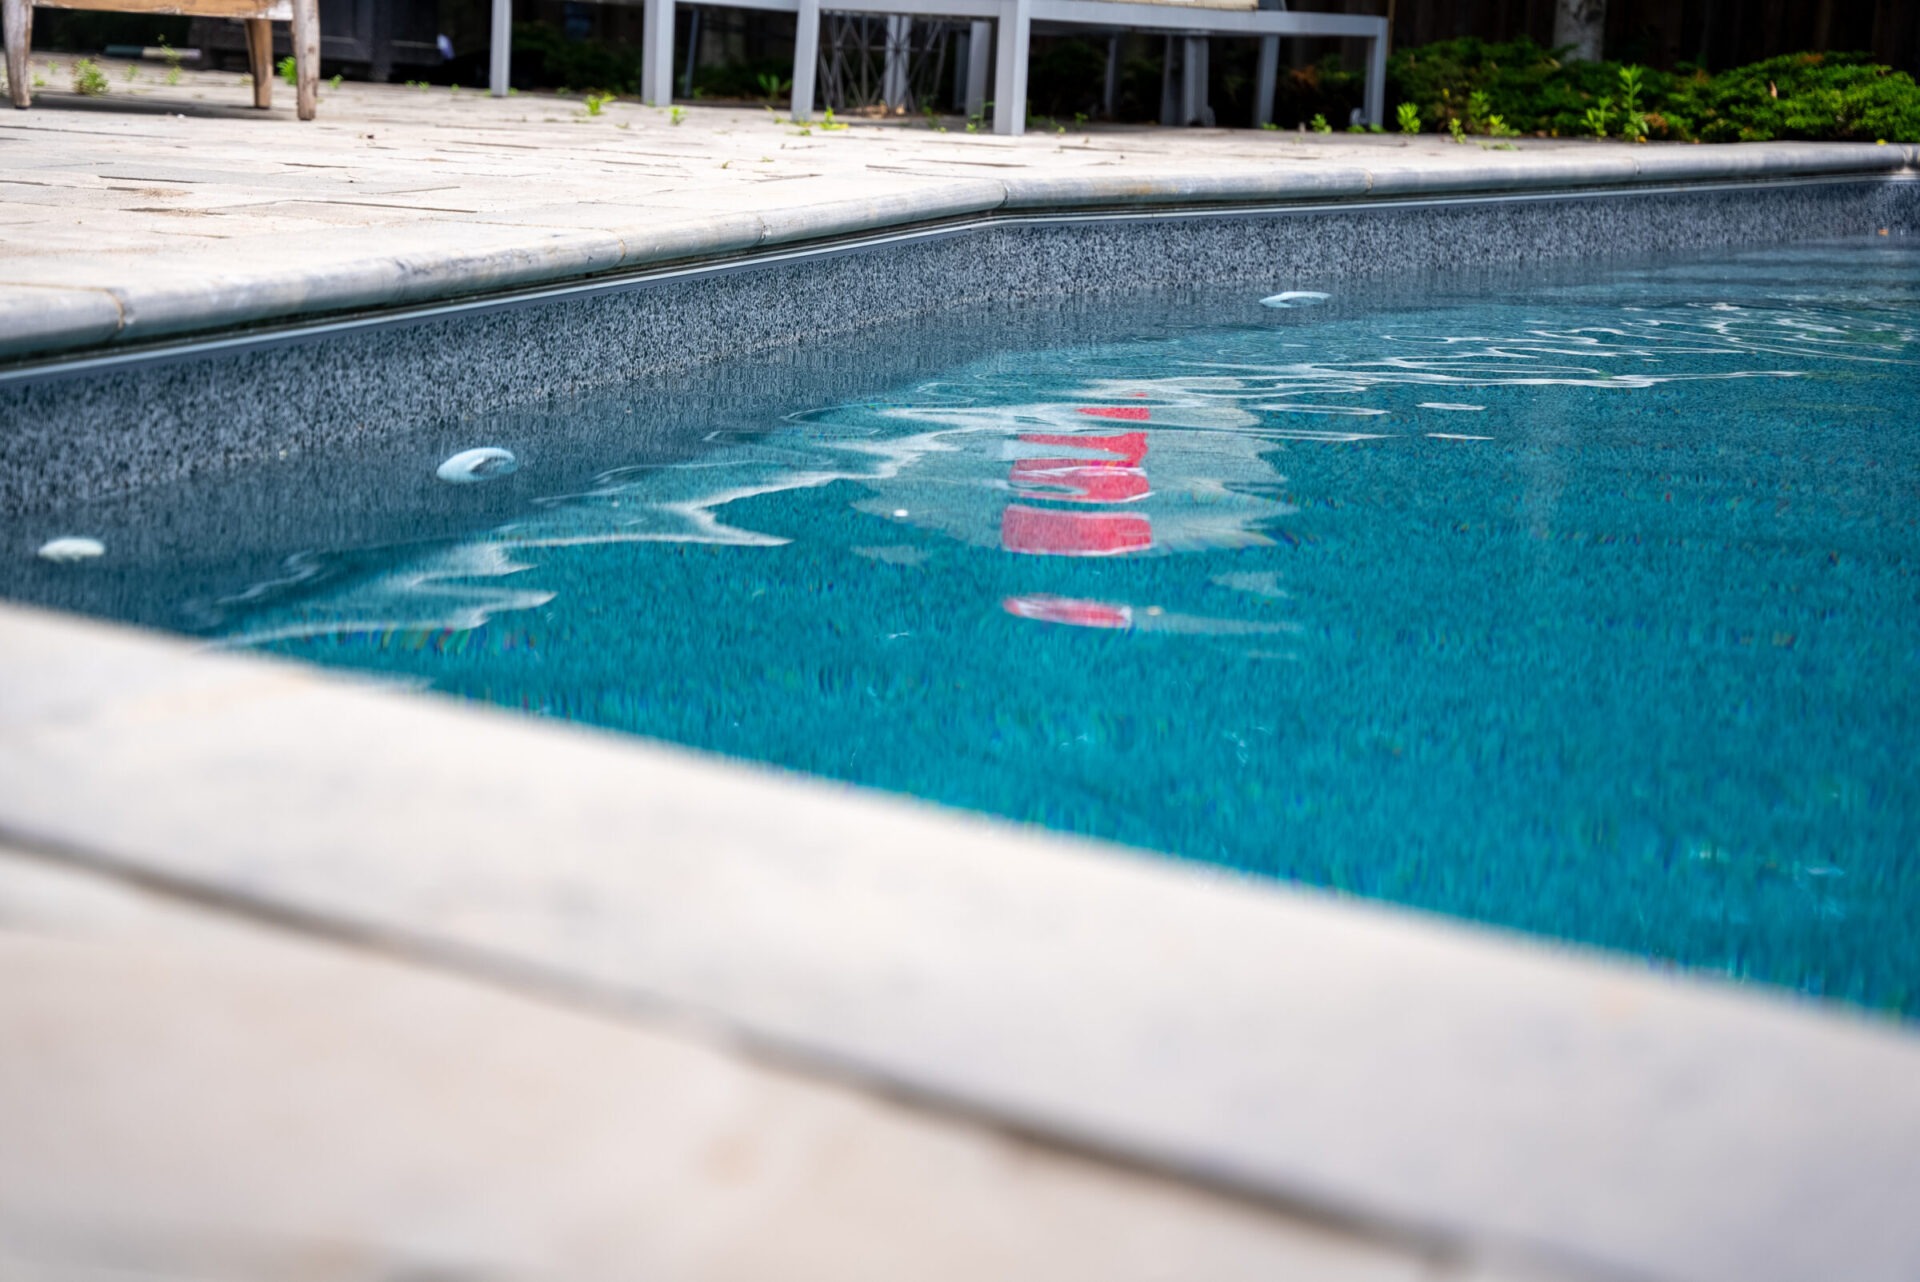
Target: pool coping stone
1473	1095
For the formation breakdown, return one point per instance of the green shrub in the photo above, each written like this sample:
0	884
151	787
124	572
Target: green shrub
1808	95
1815	96
1526	86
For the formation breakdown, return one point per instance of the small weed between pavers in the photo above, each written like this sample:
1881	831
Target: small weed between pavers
88	79
829	124
677	115
290	71
597	102
421	85
1319	124
1409	118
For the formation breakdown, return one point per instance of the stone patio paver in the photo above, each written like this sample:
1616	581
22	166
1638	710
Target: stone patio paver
188	1095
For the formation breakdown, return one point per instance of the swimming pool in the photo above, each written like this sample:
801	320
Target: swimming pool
1583	606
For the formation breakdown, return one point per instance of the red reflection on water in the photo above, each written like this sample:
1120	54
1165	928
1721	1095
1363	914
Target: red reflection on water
1118	479
1128	447
1039	531
1062	609
1067	480
1137	413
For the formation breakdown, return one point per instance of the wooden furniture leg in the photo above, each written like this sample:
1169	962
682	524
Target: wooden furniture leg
306	54
260	60
16	20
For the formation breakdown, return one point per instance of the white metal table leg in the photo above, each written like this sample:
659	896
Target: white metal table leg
806	57
893	76
979	42
656	54
1266	79
1010	68
500	52
1377	78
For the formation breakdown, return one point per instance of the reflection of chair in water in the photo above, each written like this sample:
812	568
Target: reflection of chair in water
259	15
1187	23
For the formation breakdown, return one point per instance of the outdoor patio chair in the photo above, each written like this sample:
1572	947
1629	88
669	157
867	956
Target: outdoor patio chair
259	15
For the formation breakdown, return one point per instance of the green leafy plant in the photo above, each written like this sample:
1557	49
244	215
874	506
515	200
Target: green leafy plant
773	85
1598	117
1456	130
828	124
1478	107
1633	121
1409	116
333	81
421	85
133	72
597	102
676	114
290	71
88	79
1319	124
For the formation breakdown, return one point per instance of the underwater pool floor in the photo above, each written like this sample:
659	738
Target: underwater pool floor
1583	605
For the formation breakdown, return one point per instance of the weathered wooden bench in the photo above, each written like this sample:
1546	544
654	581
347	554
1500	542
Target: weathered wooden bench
259	15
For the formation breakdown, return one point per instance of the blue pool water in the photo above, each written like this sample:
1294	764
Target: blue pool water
1587	607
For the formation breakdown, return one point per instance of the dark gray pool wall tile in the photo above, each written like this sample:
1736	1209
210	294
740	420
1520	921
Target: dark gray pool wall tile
79	432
